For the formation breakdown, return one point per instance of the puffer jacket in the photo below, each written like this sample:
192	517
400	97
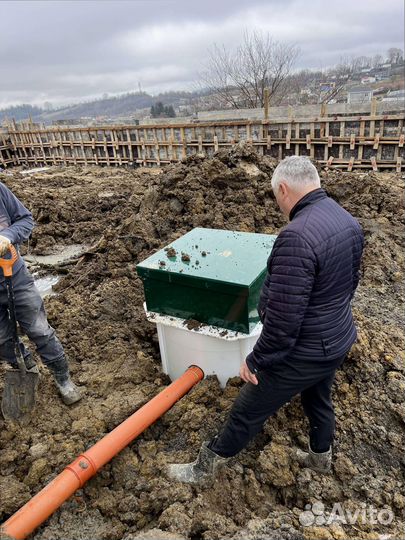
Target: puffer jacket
313	271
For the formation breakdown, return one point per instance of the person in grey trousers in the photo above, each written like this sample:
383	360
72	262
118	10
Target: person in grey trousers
16	224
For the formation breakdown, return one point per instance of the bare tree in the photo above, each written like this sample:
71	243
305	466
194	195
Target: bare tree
239	78
345	66
377	60
395	55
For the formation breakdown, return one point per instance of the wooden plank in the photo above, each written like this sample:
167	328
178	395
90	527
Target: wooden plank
261	139
157	151
114	146
361	135
216	143
266	103
130	150
374	163
373	109
106	148
171	156
83	148
183	143
248	133
322	129
341	134
142	150
312	136
53	146
372	128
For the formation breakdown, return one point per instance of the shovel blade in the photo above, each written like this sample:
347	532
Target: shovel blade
18	394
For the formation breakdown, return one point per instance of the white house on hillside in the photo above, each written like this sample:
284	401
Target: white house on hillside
359	94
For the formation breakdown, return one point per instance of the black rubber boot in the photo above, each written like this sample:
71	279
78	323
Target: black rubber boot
68	390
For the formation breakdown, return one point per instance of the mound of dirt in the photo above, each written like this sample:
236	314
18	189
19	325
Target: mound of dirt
126	215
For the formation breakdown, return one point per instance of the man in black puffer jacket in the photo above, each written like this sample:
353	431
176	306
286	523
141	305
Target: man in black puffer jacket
308	328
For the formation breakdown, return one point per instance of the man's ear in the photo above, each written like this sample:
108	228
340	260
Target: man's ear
283	189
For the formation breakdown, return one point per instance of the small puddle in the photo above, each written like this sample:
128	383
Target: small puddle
45	284
64	254
61	256
36	170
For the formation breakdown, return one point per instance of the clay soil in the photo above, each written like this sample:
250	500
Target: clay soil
126	215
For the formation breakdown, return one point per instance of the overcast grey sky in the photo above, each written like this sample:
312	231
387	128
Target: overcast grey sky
65	51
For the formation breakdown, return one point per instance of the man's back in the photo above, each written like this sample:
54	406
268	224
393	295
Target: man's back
316	255
336	239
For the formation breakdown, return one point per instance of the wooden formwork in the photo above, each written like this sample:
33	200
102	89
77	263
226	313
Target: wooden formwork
347	142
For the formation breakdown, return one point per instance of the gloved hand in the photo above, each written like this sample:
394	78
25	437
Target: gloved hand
4	245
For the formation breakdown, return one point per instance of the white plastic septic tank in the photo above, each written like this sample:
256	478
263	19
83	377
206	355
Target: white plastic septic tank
215	277
215	350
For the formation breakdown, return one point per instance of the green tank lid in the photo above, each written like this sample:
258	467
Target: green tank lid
211	275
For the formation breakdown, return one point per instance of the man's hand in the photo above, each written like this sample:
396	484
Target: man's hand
4	245
247	375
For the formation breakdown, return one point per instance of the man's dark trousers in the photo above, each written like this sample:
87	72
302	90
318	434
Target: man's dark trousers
277	386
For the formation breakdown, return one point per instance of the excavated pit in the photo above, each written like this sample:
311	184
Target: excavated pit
124	216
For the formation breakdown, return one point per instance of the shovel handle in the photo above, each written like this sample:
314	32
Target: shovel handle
7	264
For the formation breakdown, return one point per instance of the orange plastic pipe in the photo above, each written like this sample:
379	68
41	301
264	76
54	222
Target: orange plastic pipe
49	499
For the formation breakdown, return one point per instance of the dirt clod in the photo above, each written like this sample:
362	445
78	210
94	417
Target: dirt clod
171	252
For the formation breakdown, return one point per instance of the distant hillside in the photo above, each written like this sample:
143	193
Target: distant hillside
123	105
20	112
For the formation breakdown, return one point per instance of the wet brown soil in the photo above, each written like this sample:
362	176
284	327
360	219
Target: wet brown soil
127	215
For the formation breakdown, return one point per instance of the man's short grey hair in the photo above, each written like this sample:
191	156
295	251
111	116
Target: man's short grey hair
297	172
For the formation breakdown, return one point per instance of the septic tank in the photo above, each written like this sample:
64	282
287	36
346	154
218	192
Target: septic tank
202	292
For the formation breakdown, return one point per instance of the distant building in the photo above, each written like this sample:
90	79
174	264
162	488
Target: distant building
382	75
394	95
68	122
382	72
367	80
326	86
359	94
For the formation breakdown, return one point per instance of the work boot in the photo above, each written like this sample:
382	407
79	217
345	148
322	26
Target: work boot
203	468
69	392
317	461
